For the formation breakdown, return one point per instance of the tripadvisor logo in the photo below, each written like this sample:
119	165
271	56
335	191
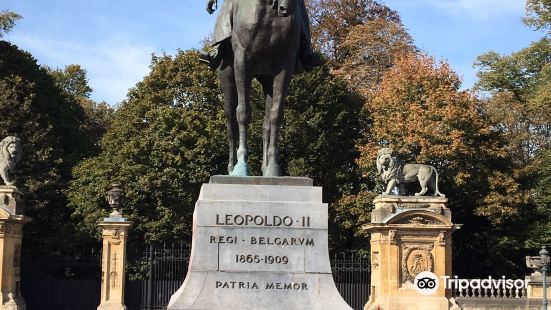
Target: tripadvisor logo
426	283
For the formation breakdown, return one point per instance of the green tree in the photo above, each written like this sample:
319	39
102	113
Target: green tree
163	142
538	14
516	91
518	85
322	126
539	232
73	81
7	21
48	124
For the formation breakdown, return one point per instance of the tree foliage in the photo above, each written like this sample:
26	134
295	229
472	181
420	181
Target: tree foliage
48	124
163	142
419	110
73	81
538	14
369	49
322	125
519	103
540	229
359	38
332	20
7	21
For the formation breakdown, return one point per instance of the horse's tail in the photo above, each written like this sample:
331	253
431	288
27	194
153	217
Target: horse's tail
436	191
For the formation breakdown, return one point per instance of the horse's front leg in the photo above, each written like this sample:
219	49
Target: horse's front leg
281	86
267	83
227	79
243	79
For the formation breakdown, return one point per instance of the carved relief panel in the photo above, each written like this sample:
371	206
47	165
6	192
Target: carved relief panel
416	259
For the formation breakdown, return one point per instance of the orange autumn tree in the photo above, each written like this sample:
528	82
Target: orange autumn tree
332	20
420	111
369	49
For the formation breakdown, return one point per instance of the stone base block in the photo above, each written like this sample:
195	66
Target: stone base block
410	236
14	304
257	290
259	243
535	286
112	306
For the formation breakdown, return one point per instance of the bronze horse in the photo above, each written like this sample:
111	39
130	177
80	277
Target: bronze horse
264	44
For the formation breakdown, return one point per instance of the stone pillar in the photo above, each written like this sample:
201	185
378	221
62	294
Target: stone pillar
113	262
535	280
11	233
409	235
535	287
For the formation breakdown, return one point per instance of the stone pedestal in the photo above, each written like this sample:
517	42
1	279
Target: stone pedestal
11	233
113	262
409	235
259	243
535	287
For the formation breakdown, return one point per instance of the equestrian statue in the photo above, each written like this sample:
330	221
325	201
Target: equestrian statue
264	39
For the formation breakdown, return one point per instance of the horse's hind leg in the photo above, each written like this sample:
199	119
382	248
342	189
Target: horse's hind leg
243	79
227	80
281	85
268	87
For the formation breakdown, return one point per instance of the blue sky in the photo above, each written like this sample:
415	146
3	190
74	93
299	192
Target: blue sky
113	40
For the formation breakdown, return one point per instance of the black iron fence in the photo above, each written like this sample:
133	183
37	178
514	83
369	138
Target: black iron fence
352	276
72	281
61	281
150	288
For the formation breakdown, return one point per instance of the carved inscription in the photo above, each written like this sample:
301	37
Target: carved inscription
261	220
290	286
278	241
259	242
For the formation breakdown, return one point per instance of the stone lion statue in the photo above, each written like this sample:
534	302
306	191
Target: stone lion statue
395	173
10	155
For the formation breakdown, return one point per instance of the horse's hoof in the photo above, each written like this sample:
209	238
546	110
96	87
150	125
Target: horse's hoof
240	170
272	171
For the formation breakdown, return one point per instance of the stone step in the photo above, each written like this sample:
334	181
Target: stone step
272	193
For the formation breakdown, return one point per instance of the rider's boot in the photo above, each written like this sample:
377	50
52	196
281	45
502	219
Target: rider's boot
309	59
212	58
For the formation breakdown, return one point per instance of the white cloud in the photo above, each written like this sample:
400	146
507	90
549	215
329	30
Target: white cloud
113	65
479	9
